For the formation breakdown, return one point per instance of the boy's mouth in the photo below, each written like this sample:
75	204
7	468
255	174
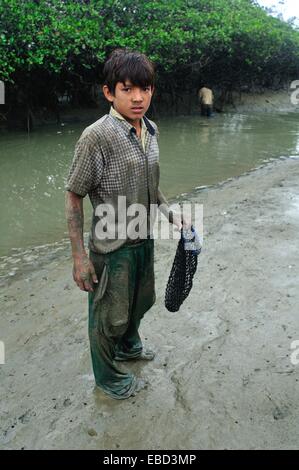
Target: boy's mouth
137	109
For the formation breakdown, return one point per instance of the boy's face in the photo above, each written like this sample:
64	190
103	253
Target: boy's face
131	101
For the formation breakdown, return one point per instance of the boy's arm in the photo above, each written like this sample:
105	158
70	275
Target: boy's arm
174	218
83	271
171	216
84	174
164	206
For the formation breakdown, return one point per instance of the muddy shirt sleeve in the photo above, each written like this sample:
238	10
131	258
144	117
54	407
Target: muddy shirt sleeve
86	168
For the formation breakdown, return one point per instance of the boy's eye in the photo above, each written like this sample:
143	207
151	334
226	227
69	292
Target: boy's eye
147	88
126	89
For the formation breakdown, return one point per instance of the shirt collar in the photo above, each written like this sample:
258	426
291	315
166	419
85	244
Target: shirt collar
144	122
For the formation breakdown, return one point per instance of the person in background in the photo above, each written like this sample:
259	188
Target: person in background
206	99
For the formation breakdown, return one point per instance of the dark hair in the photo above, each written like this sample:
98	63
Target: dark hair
124	64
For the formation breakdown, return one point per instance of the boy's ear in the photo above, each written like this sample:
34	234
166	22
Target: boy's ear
107	93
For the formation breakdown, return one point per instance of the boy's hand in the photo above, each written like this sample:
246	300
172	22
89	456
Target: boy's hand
84	274
180	223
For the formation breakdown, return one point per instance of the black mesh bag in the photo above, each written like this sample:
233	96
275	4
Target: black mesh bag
183	269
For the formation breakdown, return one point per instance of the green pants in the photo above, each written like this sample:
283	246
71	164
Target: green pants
126	290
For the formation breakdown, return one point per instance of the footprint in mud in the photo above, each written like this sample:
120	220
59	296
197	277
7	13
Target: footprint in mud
92	432
280	412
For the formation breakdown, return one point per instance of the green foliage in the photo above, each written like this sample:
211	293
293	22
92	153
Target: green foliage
61	44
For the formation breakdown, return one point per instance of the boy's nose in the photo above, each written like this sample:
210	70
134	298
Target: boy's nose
137	96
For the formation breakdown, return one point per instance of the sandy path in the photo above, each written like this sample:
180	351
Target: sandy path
222	377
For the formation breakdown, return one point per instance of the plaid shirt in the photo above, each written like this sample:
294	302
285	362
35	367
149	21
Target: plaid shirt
109	162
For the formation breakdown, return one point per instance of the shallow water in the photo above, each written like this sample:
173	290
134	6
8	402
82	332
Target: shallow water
195	152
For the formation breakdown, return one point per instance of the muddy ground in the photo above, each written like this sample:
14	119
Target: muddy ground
222	377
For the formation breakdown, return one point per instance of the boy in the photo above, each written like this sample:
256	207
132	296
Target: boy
116	160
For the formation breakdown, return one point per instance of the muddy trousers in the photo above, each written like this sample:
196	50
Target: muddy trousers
125	292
